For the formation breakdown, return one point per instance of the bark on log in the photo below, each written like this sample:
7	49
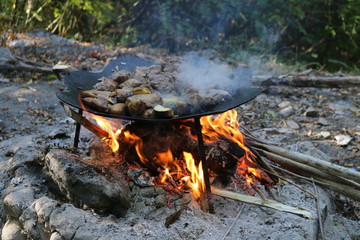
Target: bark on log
334	183
315	162
308	81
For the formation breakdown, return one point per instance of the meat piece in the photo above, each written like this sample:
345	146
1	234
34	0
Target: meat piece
121	95
163	82
179	107
99	104
96	94
149	113
219	96
141	72
150	100
106	84
131	83
120	76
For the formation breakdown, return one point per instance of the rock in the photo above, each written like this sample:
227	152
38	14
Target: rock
15	202
343	140
323	122
82	185
284	104
286	112
311	112
292	124
160	201
12	231
2	125
56	236
325	134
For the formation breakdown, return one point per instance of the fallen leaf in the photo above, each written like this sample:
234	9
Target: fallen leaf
342	140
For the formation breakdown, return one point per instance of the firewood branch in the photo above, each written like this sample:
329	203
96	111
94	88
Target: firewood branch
260	202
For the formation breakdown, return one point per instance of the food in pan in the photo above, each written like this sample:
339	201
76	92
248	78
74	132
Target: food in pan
151	92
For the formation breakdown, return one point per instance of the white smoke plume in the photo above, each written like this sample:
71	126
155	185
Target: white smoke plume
202	73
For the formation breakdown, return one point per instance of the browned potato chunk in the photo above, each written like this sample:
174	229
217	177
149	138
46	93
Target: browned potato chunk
118	109
136	108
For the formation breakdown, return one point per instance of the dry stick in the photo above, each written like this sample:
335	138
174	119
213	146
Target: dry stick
309	169
260	202
294	184
264	165
236	218
318	210
295	175
322	177
315	162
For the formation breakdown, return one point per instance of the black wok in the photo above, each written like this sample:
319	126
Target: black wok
78	81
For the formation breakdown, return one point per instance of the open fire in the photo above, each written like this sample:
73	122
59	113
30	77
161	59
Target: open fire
178	168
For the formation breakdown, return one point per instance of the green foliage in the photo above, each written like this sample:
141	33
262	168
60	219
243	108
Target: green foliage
322	31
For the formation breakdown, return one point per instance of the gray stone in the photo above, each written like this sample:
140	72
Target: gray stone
15	202
323	122
2	125
292	124
12	231
311	112
160	201
284	104
56	236
82	185
286	112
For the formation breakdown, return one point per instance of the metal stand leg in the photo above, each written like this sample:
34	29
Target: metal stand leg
204	165
77	132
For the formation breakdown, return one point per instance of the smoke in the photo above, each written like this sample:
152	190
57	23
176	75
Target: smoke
203	73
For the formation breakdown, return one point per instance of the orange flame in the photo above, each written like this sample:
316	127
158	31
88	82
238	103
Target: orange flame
226	126
107	125
196	180
222	126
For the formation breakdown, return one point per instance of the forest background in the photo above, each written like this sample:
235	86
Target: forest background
319	33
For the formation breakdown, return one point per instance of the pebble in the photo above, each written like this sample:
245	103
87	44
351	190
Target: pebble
286	112
311	112
325	134
292	124
284	104
342	140
323	122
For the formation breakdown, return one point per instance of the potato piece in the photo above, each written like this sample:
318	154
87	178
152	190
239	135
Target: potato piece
118	109
141	90
162	112
136	107
150	100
